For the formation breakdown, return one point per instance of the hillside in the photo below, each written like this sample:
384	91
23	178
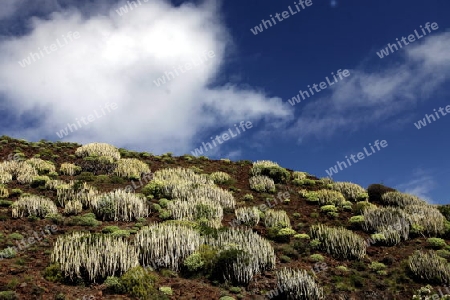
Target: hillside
204	229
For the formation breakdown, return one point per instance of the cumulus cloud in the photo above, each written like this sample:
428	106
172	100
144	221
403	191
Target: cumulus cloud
84	74
369	97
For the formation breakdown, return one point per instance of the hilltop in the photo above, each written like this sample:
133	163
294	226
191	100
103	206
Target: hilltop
99	222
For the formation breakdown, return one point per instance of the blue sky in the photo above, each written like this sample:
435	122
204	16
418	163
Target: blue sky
103	55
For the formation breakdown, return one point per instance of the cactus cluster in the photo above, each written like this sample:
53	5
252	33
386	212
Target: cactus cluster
256	254
377	219
185	184
248	215
97	150
339	242
298	284
327	197
277	218
119	205
197	209
427	217
33	205
98	255
131	168
262	183
3	191
429	266
20	170
166	245
350	190
401	199
219	177
42	166
69	169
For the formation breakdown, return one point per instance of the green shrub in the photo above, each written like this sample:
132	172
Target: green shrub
248	197
163	202
305	181
84	220
356	220
362	205
140	283
377	266
121	233
436	243
316	257
15	236
86	176
301	236
194	262
6	203
220	177
110	229
8	295
39	181
328	208
155	188
166	290
351	191
53	273
270	169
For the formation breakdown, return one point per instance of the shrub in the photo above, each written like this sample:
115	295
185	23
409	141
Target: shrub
328	208
316	257
69	169
194	262
241	254
155	188
330	197
248	215
39	181
356	220
197	209
100	255
378	219
84	220
248	197
277	218
220	177
131	168
166	290
121	233
42	166
296	284
86	176
350	190
167	244
98	149
401	199
110	229
375	192
262	184
430	267
304	181
299	175
53	273
8	295
362	205
301	236
270	169
120	205
33	206
139	283
339	242
436	243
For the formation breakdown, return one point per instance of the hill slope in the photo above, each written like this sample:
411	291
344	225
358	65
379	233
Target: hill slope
204	229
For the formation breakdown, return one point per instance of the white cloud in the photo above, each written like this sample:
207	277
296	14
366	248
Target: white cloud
86	73
420	184
366	98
